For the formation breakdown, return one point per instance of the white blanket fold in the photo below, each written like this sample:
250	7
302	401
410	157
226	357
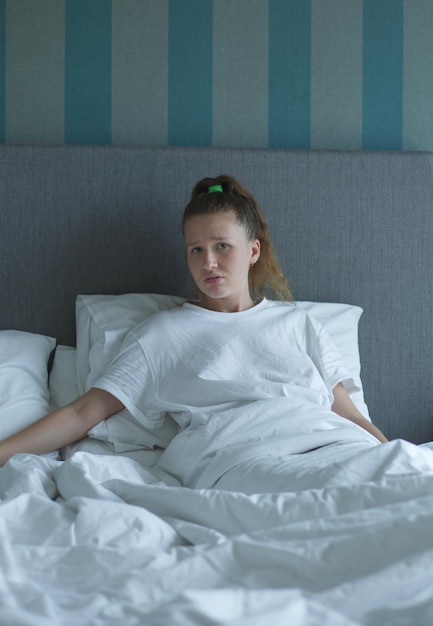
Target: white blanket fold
200	455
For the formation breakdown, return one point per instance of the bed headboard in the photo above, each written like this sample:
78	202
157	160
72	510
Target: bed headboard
351	227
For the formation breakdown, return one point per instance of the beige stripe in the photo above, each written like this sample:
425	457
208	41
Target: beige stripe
35	65
139	72
240	73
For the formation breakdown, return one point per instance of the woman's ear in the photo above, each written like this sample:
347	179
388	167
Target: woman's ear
255	251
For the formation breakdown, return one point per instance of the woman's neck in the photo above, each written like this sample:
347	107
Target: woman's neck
223	305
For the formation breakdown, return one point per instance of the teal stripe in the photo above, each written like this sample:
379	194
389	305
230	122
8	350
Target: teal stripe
289	73
88	71
382	75
190	72
2	71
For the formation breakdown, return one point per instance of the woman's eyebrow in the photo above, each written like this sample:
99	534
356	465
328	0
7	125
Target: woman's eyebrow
213	238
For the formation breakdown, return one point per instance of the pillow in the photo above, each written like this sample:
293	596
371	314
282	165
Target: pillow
62	384
63	389
341	322
102	324
104	321
24	396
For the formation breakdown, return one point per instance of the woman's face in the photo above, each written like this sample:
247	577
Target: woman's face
219	256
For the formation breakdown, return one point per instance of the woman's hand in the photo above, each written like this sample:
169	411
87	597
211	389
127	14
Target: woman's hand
344	407
63	426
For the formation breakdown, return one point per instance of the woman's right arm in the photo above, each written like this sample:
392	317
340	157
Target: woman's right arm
63	426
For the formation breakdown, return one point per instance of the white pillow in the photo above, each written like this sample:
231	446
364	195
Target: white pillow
63	389
24	396
341	322
102	324
62	385
104	321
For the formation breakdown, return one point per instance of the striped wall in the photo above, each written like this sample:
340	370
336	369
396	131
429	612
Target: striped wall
338	74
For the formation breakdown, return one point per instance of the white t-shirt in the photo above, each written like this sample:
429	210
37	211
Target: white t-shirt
190	362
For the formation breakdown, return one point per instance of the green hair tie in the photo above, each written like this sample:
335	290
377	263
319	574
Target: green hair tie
215	188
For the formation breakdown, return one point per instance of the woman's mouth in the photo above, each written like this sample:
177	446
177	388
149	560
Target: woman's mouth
213	279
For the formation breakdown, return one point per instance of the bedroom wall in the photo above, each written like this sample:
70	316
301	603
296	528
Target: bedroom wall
338	74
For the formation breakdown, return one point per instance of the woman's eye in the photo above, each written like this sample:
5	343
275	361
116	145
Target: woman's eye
195	250
222	246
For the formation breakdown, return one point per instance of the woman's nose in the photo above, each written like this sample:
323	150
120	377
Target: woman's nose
209	260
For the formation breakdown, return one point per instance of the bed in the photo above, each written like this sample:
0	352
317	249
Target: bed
91	244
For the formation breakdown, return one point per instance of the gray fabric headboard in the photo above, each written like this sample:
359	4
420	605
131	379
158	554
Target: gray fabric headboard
351	227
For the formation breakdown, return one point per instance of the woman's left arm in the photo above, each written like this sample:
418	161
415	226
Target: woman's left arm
344	407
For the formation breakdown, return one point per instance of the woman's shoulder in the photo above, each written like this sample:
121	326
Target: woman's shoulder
286	312
156	321
283	307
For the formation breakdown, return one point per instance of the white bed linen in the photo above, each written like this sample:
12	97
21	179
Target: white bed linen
268	430
24	396
103	539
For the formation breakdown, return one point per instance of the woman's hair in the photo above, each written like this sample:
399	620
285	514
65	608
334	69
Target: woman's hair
227	194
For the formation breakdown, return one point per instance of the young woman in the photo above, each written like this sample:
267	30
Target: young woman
228	347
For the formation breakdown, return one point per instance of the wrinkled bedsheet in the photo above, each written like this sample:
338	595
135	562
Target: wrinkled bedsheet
337	531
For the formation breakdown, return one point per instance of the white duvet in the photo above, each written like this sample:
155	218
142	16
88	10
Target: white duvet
279	526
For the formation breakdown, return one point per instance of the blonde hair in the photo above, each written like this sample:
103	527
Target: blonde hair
231	196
